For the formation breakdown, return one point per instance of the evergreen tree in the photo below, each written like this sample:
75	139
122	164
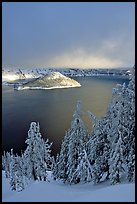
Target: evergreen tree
20	181
98	148
46	161
131	126
13	168
62	159
37	153
121	114
3	161
55	167
84	169
30	155
117	162
46	155
26	170
131	165
77	140
6	163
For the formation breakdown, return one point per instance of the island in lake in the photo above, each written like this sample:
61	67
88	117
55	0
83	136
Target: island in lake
51	81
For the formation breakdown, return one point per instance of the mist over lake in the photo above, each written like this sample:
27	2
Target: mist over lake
53	109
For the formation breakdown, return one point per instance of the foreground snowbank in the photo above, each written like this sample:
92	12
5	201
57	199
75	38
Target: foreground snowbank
53	191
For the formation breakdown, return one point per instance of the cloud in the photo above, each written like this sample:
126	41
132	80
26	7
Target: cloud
82	58
73	35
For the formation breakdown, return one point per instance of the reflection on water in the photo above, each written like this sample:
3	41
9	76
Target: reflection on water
52	108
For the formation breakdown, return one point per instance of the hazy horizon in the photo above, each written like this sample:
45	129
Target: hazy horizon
68	34
84	68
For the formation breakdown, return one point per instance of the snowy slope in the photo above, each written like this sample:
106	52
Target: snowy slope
55	191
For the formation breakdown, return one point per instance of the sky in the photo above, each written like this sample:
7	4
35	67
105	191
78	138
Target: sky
68	34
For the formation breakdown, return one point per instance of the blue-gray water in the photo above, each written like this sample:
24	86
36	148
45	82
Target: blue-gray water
53	109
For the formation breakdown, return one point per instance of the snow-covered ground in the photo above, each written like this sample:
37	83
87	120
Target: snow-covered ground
56	191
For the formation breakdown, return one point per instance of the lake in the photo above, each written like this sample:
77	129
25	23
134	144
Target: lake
53	109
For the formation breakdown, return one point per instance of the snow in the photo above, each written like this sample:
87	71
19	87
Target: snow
9	77
54	87
56	191
56	75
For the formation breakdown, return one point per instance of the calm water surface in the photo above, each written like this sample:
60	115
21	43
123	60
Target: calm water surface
53	109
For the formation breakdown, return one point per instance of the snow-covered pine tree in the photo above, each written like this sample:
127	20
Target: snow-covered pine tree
98	148
126	118
84	169
26	168
91	143
55	167
3	160
30	156
37	153
131	164
6	164
72	147
13	169
53	163
78	137
20	180
16	173
121	113
46	159
116	160
47	154
131	125
123	102
118	134
62	159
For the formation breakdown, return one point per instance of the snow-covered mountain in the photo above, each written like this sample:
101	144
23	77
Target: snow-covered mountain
11	75
51	81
